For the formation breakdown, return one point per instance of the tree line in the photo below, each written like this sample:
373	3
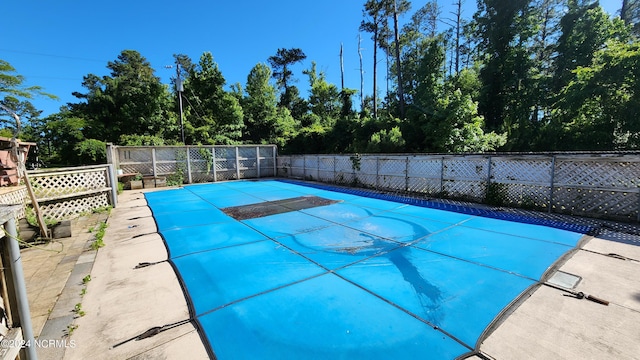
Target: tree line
520	75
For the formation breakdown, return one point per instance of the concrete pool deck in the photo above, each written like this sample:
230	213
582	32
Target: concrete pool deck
122	302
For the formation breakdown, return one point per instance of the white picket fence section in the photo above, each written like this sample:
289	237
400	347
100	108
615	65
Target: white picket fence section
597	185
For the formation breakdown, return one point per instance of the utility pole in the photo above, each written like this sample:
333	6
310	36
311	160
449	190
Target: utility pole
179	90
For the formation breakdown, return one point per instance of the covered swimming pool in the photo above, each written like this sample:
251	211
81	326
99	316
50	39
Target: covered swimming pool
279	269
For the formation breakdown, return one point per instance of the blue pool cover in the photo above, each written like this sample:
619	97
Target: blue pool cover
363	278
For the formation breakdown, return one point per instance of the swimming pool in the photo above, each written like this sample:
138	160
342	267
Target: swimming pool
276	269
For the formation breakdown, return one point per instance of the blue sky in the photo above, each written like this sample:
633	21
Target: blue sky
55	43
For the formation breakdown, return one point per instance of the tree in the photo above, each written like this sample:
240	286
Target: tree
324	98
214	116
259	105
131	100
15	95
281	63
585	29
598	108
376	15
265	121
505	29
397	10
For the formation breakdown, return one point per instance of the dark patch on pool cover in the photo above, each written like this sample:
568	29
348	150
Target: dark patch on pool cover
267	208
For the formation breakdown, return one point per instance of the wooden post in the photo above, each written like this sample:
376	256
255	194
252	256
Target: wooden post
237	163
189	177
258	162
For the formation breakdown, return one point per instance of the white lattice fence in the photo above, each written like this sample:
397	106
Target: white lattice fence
522	181
14	195
196	163
465	178
64	193
602	186
425	176
593	184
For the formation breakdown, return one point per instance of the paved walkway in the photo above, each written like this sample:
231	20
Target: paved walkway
54	277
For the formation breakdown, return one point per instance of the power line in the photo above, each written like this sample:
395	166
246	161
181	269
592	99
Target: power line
51	55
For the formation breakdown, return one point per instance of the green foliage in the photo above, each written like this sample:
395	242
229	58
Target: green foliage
598	109
175	179
213	115
99	238
496	194
132	100
32	219
140	140
91	151
385	141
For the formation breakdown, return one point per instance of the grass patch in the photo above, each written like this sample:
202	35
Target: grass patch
78	310
99	242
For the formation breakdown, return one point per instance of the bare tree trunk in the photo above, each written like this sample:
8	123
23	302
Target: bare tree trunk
458	5
342	66
375	70
361	73
399	67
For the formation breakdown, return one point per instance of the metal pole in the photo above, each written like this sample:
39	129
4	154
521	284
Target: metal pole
179	90
20	287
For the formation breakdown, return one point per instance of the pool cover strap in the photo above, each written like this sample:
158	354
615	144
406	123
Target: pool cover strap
267	208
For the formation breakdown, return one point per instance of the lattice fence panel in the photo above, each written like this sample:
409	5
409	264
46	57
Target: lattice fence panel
266	161
225	163
325	168
598	203
522	181
267	151
136	160
310	167
14	195
344	170
64	183
391	174
367	174
71	207
465	178
296	167
425	175
284	165
598	172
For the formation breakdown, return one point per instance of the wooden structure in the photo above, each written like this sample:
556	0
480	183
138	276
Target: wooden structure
8	166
